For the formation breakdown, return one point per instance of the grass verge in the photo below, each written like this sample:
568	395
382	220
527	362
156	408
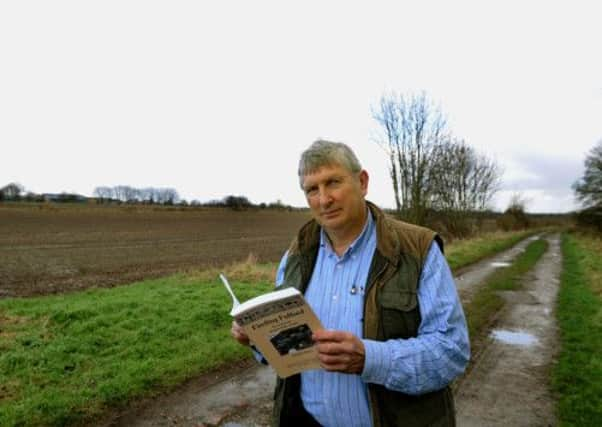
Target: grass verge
65	359
463	252
577	377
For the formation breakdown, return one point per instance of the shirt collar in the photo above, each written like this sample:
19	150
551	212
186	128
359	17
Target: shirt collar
360	241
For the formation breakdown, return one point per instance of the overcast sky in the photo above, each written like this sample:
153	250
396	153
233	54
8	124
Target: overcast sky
219	98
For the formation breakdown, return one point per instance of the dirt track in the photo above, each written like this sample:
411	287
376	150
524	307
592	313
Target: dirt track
507	385
509	382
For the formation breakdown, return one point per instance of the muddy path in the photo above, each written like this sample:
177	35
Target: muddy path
468	278
241	395
508	384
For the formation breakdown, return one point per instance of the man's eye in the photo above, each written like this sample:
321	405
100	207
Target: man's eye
311	191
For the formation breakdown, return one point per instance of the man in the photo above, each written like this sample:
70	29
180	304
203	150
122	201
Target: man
395	334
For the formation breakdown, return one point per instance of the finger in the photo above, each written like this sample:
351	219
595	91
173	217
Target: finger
334	367
329	335
235	325
339	359
342	364
329	348
238	333
237	328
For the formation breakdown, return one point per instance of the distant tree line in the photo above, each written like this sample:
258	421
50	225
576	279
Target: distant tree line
14	192
127	194
169	196
242	203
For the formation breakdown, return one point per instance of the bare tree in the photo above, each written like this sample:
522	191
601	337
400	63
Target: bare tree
129	194
466	181
11	191
589	188
172	196
388	117
146	194
166	196
104	194
411	130
464	184
125	193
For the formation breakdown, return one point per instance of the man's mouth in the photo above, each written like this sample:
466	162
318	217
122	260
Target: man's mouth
329	214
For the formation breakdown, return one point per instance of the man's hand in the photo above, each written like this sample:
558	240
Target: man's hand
238	334
340	351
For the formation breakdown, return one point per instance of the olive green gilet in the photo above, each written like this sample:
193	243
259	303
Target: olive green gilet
390	311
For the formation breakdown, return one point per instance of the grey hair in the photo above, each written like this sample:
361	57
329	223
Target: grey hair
327	153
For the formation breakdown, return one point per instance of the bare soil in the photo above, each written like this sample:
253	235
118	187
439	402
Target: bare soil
507	384
47	248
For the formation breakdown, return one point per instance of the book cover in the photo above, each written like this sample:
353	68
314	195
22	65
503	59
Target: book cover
280	325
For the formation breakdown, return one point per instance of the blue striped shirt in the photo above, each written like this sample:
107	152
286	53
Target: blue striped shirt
418	365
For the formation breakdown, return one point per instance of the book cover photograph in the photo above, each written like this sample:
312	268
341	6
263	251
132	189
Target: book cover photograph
280	325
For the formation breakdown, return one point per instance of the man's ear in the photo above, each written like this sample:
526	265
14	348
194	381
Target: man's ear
364	178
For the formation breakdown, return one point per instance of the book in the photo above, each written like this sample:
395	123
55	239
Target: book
280	325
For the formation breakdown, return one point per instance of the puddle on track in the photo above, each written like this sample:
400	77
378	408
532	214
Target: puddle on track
514	338
500	264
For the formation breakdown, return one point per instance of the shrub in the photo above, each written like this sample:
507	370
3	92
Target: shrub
590	218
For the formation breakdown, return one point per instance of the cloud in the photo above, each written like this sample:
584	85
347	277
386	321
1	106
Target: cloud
548	173
545	180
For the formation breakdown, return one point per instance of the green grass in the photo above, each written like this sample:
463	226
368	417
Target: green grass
64	359
467	251
486	302
577	376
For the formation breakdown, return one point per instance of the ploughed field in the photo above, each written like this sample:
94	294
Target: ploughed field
48	248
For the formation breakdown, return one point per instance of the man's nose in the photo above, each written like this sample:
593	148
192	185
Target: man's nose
325	197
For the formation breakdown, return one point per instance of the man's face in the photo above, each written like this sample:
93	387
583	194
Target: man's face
336	197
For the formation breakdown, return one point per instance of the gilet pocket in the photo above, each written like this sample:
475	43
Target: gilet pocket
399	313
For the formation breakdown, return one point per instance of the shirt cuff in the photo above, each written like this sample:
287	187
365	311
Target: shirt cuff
377	362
